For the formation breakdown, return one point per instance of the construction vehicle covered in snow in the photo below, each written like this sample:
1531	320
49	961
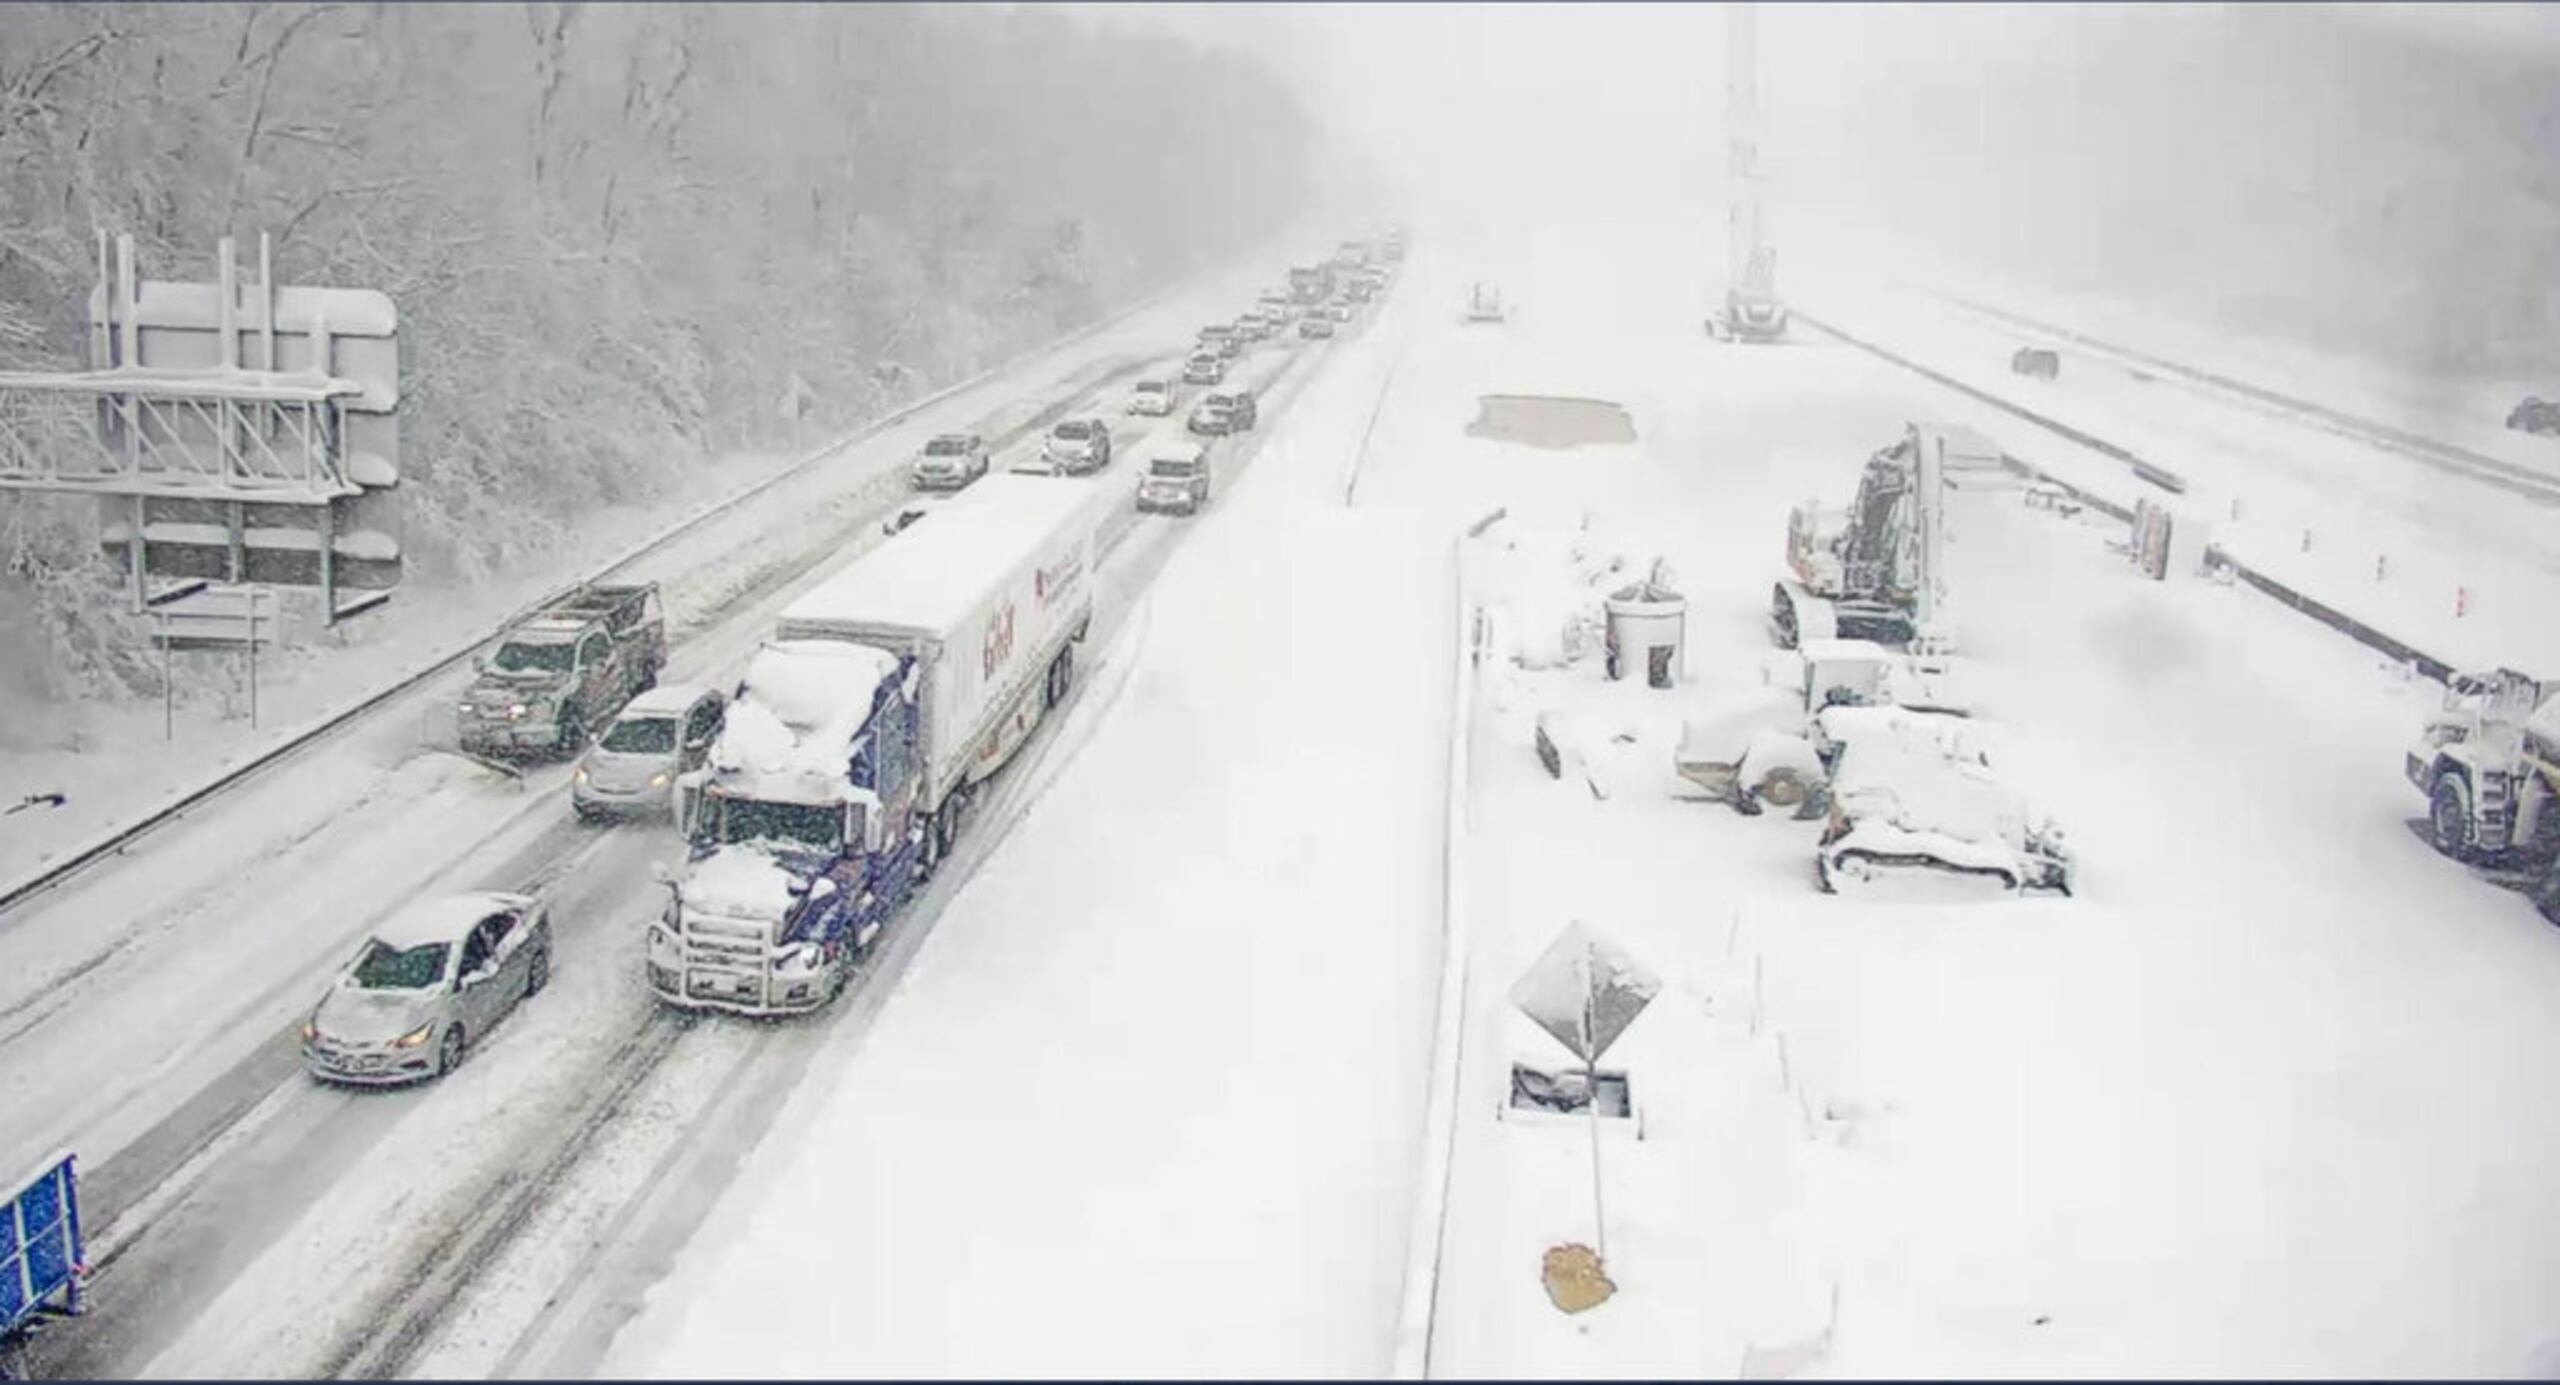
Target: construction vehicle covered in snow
2489	764
1903	810
1779	750
1875	570
858	739
1752	312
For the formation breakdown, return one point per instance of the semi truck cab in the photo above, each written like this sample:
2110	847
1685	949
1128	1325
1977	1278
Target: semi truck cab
801	837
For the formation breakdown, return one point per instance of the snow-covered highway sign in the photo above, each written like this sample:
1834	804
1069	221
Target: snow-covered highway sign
1585	990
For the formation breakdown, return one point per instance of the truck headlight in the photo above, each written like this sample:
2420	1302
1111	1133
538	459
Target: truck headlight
660	940
515	711
582	775
415	1036
803	957
656	781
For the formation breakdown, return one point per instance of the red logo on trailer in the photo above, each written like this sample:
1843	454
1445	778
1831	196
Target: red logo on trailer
998	646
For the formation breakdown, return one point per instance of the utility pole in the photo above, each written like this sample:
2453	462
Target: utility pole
1746	224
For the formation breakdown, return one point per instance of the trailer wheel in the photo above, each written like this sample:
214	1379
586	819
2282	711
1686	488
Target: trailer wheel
2449	815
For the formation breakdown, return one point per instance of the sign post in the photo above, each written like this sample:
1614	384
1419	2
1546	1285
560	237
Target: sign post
1585	990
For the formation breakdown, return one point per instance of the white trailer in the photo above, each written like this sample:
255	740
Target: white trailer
989	598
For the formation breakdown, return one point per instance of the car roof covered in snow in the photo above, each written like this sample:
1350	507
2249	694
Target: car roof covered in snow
1177	450
664	700
443	919
936	573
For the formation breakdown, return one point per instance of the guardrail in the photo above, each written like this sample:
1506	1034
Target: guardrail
114	841
1429	1231
2365	633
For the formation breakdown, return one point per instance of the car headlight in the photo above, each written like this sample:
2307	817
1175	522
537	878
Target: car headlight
415	1036
515	711
658	780
582	775
311	1030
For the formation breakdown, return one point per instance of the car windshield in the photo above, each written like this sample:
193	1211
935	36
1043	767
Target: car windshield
641	736
1151	387
1073	430
817	826
1173	466
1204	362
387	968
947	447
535	658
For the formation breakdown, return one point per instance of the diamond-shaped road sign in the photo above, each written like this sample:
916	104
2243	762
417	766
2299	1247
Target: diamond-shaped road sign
1585	990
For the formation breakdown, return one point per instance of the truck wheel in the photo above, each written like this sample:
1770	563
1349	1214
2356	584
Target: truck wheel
1782	620
1066	672
2449	815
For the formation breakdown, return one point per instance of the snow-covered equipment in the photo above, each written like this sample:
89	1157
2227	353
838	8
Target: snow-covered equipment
854	744
1484	303
1901	811
1753	756
2036	363
2489	764
1875	570
1862	673
1645	624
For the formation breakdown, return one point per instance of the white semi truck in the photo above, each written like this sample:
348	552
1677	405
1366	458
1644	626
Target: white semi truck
858	739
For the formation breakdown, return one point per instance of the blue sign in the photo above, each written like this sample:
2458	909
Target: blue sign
42	1258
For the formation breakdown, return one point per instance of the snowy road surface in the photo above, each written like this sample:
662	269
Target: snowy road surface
222	1186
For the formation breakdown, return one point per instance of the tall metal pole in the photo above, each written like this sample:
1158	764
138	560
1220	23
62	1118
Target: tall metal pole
1745	220
168	686
1591	1095
254	594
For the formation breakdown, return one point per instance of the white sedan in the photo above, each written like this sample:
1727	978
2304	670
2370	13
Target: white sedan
427	985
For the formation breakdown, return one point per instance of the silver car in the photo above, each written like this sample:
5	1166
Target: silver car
429	983
631	769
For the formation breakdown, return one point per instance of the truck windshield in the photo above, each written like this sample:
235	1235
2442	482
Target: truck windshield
535	658
641	736
387	968
818	827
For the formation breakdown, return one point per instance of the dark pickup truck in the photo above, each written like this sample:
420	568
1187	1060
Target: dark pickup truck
564	670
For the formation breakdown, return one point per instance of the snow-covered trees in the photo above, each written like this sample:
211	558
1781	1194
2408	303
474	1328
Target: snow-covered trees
615	231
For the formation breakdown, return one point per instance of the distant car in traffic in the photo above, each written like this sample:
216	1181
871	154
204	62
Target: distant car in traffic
1153	398
1218	414
1339	310
429	983
1204	369
950	461
1176	480
1080	446
632	768
2535	415
1315	325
